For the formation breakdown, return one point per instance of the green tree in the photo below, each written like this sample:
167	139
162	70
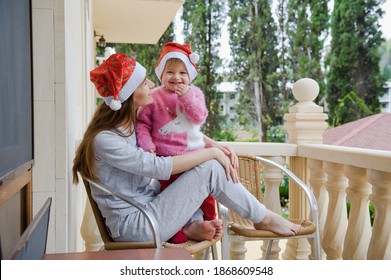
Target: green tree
350	106
385	62
282	21
307	29
147	54
203	21
354	56
253	44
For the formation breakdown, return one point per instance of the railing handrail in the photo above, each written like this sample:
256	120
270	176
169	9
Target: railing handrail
373	159
263	148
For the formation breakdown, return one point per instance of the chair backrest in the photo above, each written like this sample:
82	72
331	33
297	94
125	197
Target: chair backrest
100	221
108	241
32	244
250	177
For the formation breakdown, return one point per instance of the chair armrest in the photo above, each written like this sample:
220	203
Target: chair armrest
310	196
151	219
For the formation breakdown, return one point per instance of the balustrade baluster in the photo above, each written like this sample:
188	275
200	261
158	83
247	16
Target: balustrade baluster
272	178
317	181
356	245
336	222
380	244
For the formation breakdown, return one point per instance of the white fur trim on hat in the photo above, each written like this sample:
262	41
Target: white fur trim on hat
190	67
194	57
138	75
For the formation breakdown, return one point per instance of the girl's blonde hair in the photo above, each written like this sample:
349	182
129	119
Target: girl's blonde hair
173	62
103	119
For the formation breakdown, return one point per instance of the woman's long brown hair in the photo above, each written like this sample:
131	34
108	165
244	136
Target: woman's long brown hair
103	119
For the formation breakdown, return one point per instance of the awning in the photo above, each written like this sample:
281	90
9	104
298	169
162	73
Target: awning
133	21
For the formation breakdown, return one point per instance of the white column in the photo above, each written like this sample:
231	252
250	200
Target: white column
89	230
305	123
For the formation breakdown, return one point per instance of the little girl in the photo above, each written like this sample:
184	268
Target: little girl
171	125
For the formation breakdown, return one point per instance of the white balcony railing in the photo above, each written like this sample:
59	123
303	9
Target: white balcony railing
337	175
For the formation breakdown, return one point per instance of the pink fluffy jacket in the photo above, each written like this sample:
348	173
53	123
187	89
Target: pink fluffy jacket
171	124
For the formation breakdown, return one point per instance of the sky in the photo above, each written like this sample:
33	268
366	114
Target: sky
386	20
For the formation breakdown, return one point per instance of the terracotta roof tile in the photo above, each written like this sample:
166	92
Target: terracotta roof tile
373	132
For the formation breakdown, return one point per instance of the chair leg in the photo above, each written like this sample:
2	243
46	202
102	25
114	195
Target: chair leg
269	249
225	254
206	253
214	252
317	251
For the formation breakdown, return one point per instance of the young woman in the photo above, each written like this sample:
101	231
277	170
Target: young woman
108	153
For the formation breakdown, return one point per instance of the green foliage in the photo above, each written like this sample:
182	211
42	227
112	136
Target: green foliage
385	62
202	28
253	41
307	30
276	134
354	56
284	191
350	108
225	135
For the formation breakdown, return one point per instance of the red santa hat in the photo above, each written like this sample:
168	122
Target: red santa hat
184	53
117	78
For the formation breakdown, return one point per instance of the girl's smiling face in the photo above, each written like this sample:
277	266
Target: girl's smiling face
174	75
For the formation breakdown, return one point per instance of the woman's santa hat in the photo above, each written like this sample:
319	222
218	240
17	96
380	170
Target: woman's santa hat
184	53
117	78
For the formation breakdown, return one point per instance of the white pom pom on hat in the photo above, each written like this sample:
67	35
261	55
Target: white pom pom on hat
117	78
182	52
194	58
115	105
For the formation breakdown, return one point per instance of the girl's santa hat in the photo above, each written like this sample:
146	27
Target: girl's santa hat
117	78
184	53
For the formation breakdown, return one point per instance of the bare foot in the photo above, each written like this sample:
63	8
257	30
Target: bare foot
204	230
218	225
277	224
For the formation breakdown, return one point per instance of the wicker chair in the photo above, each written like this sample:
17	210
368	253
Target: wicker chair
236	227
191	246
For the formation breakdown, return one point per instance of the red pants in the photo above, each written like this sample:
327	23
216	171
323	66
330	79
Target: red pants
208	206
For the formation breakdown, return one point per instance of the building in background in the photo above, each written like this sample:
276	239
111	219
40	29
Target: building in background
229	99
385	100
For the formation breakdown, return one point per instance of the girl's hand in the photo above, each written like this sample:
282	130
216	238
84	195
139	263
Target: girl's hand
181	90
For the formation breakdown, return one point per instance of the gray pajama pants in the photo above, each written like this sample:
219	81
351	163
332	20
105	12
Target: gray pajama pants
174	207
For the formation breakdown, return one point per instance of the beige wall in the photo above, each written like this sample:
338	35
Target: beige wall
63	102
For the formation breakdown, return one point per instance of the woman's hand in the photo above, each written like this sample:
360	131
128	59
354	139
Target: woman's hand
225	161
230	154
210	143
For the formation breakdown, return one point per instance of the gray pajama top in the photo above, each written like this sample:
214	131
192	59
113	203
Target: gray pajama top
128	169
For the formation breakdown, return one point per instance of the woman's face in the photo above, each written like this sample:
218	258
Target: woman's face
142	94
